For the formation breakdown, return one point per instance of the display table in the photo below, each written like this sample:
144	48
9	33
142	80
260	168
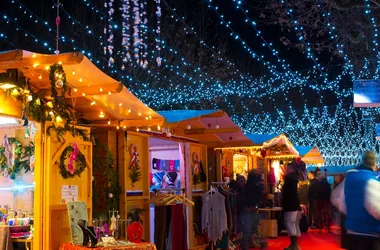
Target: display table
269	227
5	238
140	246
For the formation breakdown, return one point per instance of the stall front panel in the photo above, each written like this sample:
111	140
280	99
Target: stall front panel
56	221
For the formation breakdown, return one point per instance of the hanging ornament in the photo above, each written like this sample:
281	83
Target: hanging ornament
136	31
188	127
25	121
59	84
32	130
217	126
110	195
8	151
38	101
30	98
158	32
73	158
126	37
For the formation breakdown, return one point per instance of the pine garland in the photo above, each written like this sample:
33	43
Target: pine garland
22	157
112	185
135	172
61	131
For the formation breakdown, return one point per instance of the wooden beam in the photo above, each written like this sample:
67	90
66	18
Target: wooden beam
201	131
218	113
228	144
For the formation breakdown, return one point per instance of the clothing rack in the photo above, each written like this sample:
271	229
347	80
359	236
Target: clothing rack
213	184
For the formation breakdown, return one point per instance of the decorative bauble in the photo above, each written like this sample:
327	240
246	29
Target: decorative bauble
110	195
59	84
188	127
93	178
231	138
217	126
30	98
209	125
118	216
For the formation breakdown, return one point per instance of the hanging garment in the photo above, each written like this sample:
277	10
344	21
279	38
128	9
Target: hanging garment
162	218
179	233
214	216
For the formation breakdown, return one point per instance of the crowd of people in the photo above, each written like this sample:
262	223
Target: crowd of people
353	202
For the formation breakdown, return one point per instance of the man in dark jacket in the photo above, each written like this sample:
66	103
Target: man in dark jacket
321	193
312	213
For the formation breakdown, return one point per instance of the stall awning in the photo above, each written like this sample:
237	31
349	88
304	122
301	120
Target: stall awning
310	155
280	145
259	139
211	127
89	85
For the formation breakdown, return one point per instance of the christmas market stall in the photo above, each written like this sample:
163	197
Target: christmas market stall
47	154
189	136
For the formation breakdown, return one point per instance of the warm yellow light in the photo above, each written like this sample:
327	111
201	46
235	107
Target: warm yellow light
7	85
30	98
149	129
101	90
34	55
150	117
47	67
51	113
35	65
139	114
80	79
146	118
93	103
40	77
84	94
120	104
58	119
109	92
124	127
60	63
74	72
49	104
117	127
101	115
137	129
56	74
159	127
75	90
109	122
129	111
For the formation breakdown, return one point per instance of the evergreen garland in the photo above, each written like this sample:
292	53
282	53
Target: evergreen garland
3	159
112	185
135	172
21	159
62	130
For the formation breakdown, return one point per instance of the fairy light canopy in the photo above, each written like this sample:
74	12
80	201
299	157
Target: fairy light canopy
95	95
211	127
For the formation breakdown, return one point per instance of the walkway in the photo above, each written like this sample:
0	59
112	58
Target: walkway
309	241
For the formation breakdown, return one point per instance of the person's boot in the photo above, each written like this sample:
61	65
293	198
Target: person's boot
293	243
298	243
254	243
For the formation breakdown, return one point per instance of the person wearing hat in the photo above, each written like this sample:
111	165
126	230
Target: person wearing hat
362	202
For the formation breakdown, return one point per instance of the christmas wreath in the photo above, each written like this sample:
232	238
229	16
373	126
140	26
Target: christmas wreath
76	164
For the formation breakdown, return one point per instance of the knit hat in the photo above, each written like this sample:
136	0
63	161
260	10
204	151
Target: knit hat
369	158
159	176
239	178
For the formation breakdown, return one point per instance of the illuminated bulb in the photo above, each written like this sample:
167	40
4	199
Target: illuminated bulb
129	111
40	77
109	122
120	104
83	94
35	65
74	72
60	63
117	127
217	126
101	115
51	113
47	67
146	118
30	98
80	79
56	75
93	103
34	55
75	90
139	114
158	127
101	90
188	127
109	92
150	117
58	119
49	104
137	129
124	127
149	129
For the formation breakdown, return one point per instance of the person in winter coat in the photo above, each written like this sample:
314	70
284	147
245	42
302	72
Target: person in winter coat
312	216
295	171
321	194
362	198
